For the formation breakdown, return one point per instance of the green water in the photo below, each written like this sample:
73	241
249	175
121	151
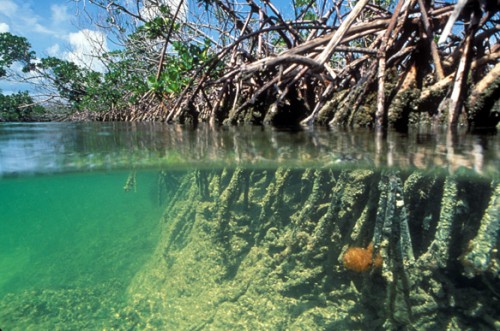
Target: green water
68	234
125	226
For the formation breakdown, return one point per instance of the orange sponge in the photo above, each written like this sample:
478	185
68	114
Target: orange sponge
361	259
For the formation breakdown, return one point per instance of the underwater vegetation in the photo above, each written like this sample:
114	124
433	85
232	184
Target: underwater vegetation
284	249
273	249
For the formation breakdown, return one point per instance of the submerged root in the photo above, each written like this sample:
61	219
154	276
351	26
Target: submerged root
268	243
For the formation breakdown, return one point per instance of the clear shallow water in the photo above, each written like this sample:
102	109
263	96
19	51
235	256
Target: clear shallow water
62	147
72	237
81	208
75	229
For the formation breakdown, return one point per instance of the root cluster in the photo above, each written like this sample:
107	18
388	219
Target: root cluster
413	62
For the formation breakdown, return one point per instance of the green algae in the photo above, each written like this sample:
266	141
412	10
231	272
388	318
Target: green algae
73	308
263	249
201	243
482	253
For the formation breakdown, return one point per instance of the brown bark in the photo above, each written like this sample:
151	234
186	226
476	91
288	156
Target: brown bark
430	38
459	86
386	43
342	30
483	85
306	76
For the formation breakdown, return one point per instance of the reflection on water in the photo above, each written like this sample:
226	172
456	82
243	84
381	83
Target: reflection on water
443	149
138	226
54	147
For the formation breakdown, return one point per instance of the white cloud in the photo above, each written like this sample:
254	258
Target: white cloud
60	13
42	29
4	27
54	50
52	33
86	46
8	8
22	20
151	9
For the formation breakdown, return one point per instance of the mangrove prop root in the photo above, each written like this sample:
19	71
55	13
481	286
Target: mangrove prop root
249	80
268	243
482	251
131	182
438	253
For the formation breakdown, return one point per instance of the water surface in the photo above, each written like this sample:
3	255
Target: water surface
82	208
62	147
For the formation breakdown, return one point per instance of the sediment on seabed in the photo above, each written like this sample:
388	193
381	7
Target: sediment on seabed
262	249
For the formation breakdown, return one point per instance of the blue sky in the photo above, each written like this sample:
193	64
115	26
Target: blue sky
52	27
59	28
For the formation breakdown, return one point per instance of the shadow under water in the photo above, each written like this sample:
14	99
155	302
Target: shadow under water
263	250
259	230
